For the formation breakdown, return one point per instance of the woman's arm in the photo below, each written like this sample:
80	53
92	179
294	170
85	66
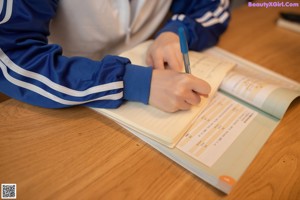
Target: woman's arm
35	72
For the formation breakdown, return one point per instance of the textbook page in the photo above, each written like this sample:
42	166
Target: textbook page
215	129
260	90
260	87
167	128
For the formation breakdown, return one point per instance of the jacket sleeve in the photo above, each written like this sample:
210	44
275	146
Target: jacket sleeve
203	20
35	72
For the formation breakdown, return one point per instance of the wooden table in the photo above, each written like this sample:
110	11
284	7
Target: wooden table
78	154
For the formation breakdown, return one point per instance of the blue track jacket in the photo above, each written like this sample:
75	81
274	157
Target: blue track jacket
35	72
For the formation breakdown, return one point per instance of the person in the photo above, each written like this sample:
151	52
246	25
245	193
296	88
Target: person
57	54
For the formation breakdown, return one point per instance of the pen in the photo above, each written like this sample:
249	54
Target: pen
184	49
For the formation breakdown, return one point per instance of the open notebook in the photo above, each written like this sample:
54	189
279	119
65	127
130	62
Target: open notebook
218	139
168	128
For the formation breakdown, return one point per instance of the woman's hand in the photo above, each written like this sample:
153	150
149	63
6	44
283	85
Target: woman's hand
172	91
165	52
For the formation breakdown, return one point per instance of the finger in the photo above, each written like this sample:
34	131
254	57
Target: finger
200	86
178	103
173	61
193	98
183	105
158	62
181	102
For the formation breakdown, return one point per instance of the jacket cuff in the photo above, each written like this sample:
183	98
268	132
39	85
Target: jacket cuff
137	83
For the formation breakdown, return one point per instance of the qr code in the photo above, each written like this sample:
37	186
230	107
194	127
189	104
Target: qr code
8	191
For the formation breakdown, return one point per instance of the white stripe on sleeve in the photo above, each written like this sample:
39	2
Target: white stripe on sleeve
213	21
62	89
211	18
50	96
8	10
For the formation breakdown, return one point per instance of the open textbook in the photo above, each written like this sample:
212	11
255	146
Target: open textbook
218	139
168	128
